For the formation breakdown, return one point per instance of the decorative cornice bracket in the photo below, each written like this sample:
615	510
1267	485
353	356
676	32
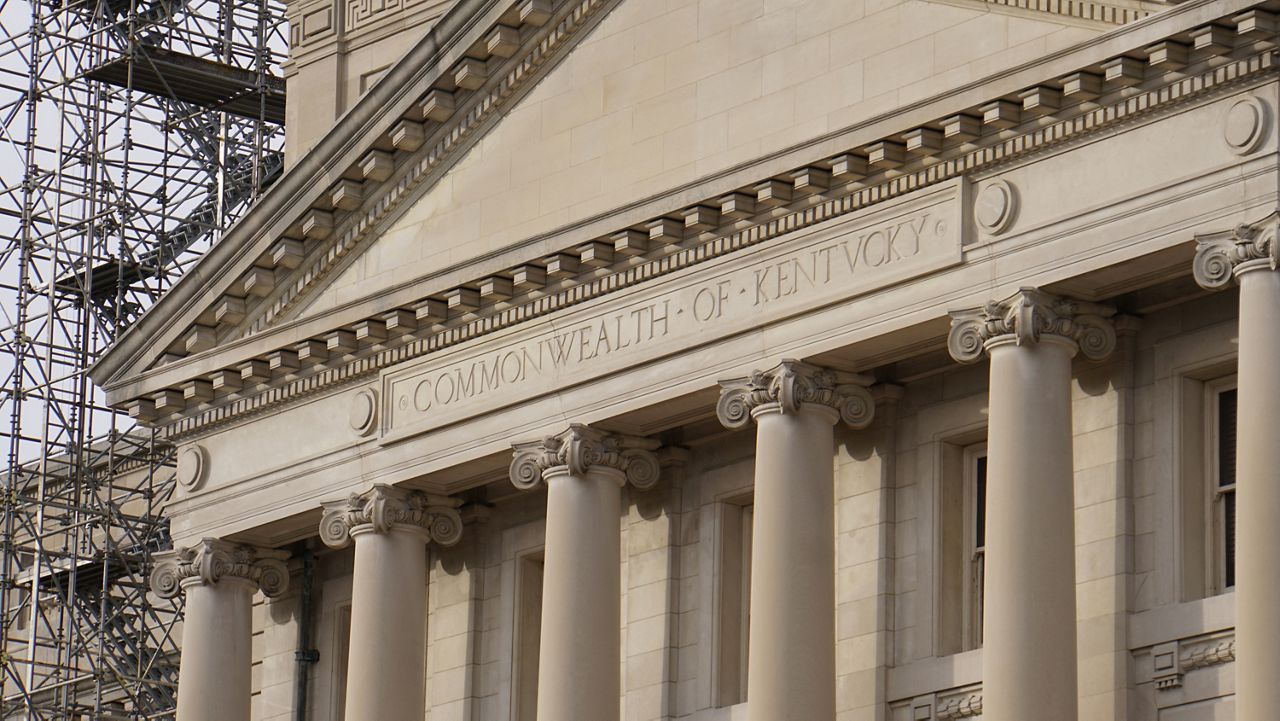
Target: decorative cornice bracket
580	448
791	385
383	508
1026	317
212	560
1220	257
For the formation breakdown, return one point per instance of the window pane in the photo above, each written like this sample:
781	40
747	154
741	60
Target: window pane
1229	538
980	503
1227	438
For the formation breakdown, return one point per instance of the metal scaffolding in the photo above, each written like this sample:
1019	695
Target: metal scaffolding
132	133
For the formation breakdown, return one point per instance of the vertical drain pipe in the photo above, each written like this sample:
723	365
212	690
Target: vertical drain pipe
305	655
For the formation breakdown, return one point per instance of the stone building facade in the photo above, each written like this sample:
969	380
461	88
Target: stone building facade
871	360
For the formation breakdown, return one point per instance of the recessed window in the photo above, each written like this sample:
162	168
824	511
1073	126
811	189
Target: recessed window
975	482
1220	405
528	636
733	605
962	542
342	653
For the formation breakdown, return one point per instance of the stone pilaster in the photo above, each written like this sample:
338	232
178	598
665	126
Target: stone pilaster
386	677
1250	255
584	470
791	674
1029	621
219	580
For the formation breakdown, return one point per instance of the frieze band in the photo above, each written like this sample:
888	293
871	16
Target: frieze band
1026	317
792	384
211	560
383	508
580	448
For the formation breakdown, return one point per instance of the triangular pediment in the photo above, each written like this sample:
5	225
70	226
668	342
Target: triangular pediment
654	101
443	96
618	136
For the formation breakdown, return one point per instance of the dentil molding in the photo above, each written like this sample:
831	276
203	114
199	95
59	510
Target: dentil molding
1223	256
383	508
790	386
582	448
856	181
1026	317
211	560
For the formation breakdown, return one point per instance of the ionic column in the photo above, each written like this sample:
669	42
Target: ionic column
219	580
584	469
1029	617
1250	255
387	662
791	666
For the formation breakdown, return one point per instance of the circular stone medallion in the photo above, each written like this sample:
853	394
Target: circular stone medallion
995	207
1244	126
193	466
363	414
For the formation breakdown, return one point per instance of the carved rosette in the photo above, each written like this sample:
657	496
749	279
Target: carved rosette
212	560
1028	316
385	507
579	449
1220	255
791	385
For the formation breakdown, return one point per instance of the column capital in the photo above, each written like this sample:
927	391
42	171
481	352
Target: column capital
579	448
792	384
1222	256
1026	317
383	508
211	560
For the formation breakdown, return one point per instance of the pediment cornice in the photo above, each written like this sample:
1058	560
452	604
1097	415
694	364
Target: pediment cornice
1099	14
429	109
1116	87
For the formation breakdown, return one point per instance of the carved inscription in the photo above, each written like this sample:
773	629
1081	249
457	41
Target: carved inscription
562	350
828	265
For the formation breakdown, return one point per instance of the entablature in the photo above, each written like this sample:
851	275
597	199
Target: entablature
239	377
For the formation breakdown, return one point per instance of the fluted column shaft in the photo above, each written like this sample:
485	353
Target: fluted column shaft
387	662
1258	497
219	580
1029	615
791	666
584	470
1250	256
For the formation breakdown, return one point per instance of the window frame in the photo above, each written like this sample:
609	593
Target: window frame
1215	504
733	598
974	556
530	566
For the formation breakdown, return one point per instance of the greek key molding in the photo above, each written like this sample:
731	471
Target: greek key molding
791	385
579	449
212	560
1220	257
383	508
1026	317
